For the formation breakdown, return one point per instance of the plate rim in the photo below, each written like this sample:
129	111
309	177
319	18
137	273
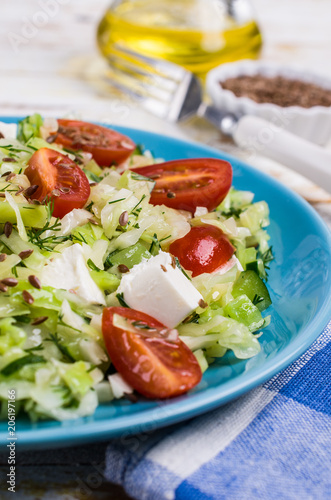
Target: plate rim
197	403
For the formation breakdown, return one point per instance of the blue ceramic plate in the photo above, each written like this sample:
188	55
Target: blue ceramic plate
300	288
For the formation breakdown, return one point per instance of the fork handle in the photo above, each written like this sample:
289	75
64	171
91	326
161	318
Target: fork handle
259	136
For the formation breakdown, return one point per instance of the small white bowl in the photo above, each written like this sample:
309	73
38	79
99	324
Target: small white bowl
313	124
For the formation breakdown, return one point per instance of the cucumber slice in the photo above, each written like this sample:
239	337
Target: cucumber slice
251	285
130	256
244	311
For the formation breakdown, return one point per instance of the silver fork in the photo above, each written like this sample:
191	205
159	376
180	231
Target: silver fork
174	94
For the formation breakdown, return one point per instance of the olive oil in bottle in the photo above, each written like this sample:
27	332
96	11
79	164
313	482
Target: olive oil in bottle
196	34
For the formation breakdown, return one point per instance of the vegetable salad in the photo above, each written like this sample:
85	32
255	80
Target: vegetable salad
105	259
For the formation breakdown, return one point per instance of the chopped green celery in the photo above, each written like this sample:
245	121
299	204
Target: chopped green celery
10	335
251	285
130	256
93	167
209	313
255	216
19	362
11	308
29	127
201	359
136	183
235	200
244	311
7	265
38	143
98	232
84	234
35	261
32	215
106	281
258	267
215	351
76	377
44	298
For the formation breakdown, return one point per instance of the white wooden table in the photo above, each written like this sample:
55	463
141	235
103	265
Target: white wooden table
55	69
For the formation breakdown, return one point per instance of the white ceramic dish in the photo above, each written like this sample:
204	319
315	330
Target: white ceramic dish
313	124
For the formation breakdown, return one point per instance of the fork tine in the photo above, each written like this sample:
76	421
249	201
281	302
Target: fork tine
165	68
143	85
152	79
151	104
165	89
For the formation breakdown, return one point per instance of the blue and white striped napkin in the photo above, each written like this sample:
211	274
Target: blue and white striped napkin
273	443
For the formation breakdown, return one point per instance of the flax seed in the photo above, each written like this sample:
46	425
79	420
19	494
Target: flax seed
31	190
39	320
170	194
10	176
34	281
27	297
203	304
164	269
9	282
124	217
8	229
3	288
3	256
123	268
25	254
51	138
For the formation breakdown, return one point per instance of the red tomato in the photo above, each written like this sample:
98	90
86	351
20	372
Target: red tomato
154	366
58	178
187	184
106	146
203	250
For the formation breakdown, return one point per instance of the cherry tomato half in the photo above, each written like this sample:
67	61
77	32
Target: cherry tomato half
154	366
106	146
187	184
203	250
58	178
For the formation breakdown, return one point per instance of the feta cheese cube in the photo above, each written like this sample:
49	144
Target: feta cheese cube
8	130
158	289
69	272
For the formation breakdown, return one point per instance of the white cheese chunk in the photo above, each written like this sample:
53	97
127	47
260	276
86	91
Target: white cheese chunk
158	289
8	130
69	271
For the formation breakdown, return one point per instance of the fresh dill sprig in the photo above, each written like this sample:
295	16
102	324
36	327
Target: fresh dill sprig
37	235
53	337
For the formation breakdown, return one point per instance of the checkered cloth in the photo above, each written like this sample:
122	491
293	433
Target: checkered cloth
273	443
